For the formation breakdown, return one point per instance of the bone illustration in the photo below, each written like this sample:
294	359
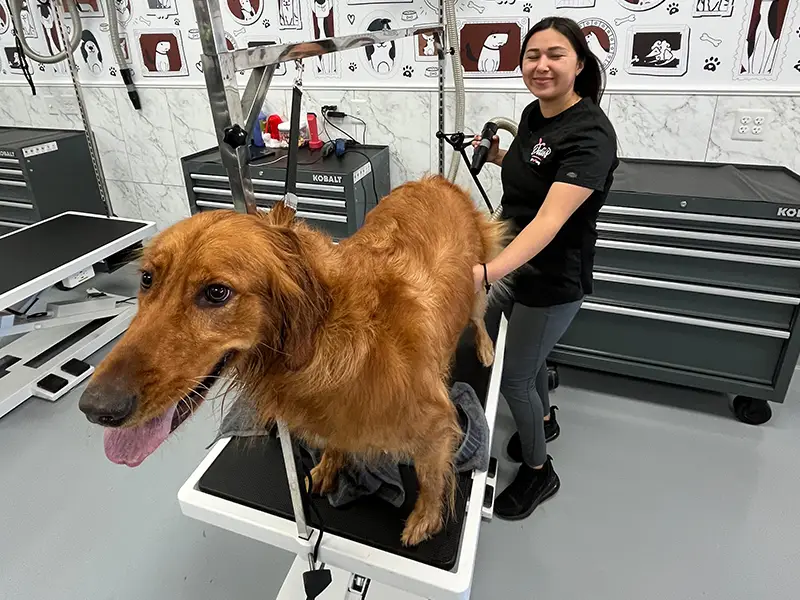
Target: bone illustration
477	7
145	21
239	31
713	41
630	18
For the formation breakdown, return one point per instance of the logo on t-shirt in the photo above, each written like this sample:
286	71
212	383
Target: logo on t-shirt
539	152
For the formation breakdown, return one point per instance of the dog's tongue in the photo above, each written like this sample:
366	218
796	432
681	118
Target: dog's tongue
131	445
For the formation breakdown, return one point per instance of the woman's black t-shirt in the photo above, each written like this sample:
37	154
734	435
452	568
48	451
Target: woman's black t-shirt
577	146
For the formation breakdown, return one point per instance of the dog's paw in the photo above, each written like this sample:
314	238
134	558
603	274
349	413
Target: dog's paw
324	478
408	71
527	8
352	66
420	527
672	8
711	63
265	23
486	355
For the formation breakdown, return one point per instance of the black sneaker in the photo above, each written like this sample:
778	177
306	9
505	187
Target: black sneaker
530	488
551	431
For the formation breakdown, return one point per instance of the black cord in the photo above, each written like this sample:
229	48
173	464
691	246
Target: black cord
372	172
325	119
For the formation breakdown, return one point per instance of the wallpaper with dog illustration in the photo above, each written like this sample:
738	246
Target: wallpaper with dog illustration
653	44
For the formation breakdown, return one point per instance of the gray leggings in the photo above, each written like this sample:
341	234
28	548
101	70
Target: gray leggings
532	334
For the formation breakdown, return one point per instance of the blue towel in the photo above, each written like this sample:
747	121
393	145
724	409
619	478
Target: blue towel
358	479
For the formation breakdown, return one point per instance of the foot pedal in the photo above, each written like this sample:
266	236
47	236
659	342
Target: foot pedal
75	367
61	380
487	510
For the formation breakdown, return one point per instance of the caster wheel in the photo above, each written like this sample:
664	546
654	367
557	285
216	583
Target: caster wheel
751	410
552	377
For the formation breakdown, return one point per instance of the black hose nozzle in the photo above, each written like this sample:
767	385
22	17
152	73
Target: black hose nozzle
482	151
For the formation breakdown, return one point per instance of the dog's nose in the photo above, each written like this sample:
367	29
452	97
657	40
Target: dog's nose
109	408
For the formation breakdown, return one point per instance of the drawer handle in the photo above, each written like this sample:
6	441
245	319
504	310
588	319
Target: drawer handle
275	197
11	225
697	289
679	216
698	235
11	172
19	205
723	256
318	187
13	183
300	213
646	314
9	161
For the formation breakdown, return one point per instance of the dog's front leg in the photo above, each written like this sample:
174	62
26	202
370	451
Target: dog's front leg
324	475
436	476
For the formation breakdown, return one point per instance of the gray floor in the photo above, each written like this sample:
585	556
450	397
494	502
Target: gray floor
663	495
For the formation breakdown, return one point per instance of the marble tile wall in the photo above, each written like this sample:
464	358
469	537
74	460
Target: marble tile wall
141	150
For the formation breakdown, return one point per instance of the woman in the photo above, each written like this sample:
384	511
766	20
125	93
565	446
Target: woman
556	175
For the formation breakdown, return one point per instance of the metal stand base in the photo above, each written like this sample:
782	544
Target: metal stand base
34	363
345	586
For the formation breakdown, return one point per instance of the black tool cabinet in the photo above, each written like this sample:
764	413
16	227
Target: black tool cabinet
697	281
43	173
334	193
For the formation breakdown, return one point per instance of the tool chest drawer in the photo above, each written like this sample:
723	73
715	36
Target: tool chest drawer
45	172
701	346
703	301
334	194
696	278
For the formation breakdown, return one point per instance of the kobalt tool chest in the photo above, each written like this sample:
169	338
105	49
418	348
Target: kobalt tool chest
697	281
334	193
43	173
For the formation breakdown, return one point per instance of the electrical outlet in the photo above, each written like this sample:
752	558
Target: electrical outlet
751	124
358	106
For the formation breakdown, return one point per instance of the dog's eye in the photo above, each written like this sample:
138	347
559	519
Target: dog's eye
147	280
217	294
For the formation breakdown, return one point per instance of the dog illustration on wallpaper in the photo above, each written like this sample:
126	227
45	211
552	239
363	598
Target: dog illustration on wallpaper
289	14
245	12
381	56
90	51
489	59
28	24
162	53
123	11
490	47
430	47
763	35
48	21
596	47
5	18
322	11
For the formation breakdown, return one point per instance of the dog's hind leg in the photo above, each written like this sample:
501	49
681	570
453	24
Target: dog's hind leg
433	463
483	342
324	475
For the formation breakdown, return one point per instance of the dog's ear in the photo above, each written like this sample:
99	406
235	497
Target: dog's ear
301	299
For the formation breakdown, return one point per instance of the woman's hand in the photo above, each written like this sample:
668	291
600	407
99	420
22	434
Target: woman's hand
494	149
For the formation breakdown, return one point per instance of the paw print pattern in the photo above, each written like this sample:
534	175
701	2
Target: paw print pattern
527	8
408	71
798	32
41	67
711	64
265	23
113	71
796	67
672	8
613	71
177	22
352	67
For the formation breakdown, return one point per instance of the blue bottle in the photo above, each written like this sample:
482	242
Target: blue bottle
258	140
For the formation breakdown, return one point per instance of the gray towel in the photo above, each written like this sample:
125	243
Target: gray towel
383	479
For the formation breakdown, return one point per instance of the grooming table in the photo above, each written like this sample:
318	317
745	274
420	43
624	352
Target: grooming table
45	356
241	486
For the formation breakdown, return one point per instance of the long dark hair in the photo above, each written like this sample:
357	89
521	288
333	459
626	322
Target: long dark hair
590	82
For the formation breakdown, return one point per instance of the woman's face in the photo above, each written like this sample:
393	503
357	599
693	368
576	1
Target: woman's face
550	65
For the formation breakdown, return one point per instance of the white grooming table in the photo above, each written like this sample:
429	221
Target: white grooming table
237	489
45	356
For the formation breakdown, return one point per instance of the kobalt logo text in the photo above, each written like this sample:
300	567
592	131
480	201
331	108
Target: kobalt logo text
7	153
326	178
785	211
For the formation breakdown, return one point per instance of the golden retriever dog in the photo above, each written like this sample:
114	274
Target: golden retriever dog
350	344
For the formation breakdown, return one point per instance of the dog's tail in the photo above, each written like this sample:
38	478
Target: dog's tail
495	234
